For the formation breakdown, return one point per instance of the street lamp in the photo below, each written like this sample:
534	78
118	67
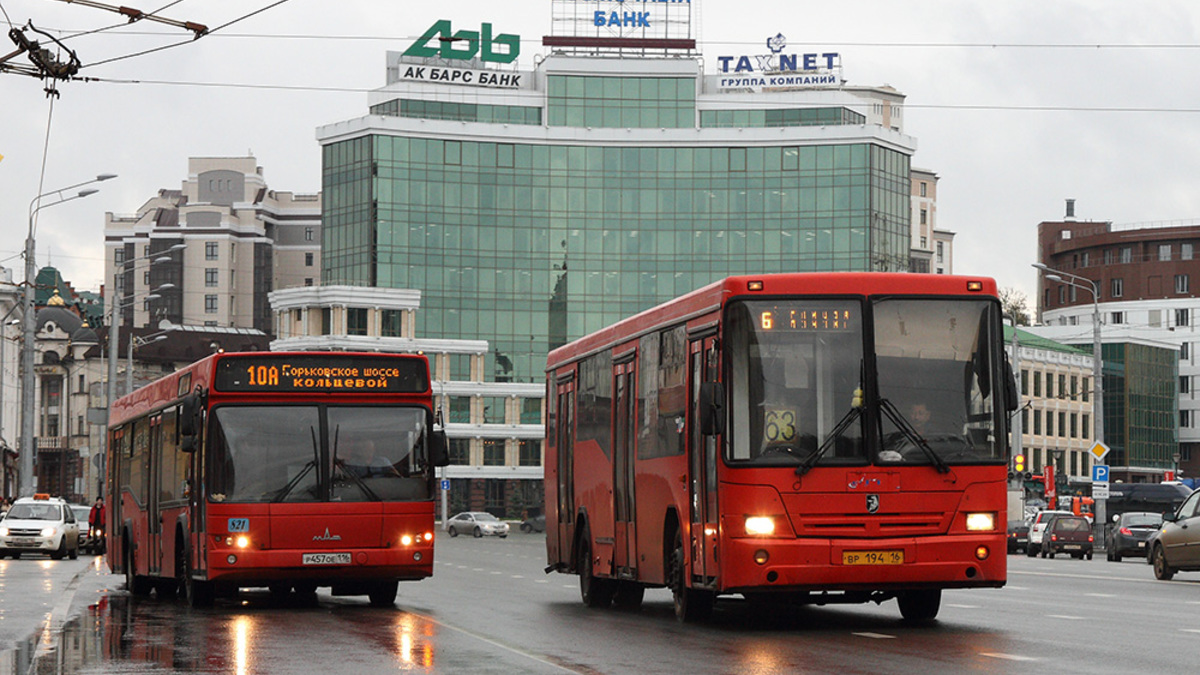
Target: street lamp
135	341
25	488
1092	287
114	324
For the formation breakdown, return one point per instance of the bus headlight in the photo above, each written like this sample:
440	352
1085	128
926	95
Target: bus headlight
243	541
981	522
760	525
406	540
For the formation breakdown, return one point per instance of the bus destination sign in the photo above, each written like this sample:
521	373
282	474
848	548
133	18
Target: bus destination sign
802	319
322	372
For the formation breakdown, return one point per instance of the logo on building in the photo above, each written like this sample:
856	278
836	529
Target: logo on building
776	44
779	70
465	45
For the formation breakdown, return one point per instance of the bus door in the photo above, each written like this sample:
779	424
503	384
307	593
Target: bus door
625	423
565	469
154	462
702	468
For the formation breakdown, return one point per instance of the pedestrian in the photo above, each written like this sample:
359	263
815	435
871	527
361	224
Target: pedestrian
96	520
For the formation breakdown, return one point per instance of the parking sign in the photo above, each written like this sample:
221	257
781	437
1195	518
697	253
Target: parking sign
1100	473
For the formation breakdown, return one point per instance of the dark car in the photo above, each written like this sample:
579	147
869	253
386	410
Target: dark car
1068	534
1130	533
1018	536
1176	545
534	524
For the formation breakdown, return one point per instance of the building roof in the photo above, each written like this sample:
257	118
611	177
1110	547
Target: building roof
1034	341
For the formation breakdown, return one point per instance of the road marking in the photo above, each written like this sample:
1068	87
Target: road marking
1007	657
1190	630
517	576
1101	595
1064	616
964	606
541	581
1016	588
875	636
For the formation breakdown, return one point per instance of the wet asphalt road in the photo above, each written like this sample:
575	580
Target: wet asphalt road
490	609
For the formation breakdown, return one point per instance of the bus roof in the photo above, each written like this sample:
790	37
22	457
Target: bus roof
710	298
205	373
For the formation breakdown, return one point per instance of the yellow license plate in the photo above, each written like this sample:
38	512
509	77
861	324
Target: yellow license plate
872	557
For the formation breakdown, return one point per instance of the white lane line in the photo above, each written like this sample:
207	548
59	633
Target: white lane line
1101	595
1190	630
1010	587
1064	616
541	581
964	606
1007	657
517	576
875	636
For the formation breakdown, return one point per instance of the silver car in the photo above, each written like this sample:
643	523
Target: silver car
478	524
39	524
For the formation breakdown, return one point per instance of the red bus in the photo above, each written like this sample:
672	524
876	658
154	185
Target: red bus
283	470
808	438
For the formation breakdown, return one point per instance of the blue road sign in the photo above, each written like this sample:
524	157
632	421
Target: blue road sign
446	482
1100	473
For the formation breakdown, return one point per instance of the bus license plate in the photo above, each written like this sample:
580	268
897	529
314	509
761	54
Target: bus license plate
872	557
326	558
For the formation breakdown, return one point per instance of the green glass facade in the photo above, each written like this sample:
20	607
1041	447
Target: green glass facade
788	117
531	236
1141	404
462	112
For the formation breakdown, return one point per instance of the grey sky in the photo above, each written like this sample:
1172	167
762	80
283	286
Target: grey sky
1011	130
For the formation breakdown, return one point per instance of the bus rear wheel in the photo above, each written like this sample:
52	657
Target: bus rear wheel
137	584
920	606
594	591
383	594
628	595
692	605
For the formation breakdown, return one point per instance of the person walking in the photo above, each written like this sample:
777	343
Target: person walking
96	520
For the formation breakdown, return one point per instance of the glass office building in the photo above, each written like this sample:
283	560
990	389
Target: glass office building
593	188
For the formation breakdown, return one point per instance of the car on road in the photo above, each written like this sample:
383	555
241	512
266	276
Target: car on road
1129	534
1176	545
39	524
1018	536
478	523
1037	526
534	524
1068	534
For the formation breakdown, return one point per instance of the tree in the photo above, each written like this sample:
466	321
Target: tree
1012	303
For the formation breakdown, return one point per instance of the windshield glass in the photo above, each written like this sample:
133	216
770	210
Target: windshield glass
280	453
938	377
794	378
34	512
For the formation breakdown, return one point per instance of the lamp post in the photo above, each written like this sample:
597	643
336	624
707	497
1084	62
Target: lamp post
1092	287
25	488
114	324
138	342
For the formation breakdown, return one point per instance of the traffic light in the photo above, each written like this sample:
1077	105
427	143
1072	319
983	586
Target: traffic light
1019	463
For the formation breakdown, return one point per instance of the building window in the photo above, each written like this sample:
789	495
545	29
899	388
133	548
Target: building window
1181	283
308	281
308	233
941	251
326	321
493	409
1182	318
1118	317
210	324
493	452
1062	295
1024	382
1086	423
530	453
308	260
1087	388
1037	422
1074	425
1062	385
924	216
1083	259
1183	352
1037	383
210	304
211	275
924	185
210	250
1185	419
1185	384
460	451
1127	255
1049	385
356	321
1110	257
393	322
924	242
146	278
1118	288
1074	387
460	409
119	256
146	251
1185	251
531	411
1049	422
1164	252
460	368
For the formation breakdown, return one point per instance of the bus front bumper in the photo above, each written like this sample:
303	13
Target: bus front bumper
947	561
246	566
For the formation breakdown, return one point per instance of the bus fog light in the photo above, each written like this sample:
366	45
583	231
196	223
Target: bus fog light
229	541
761	557
428	536
232	559
417	556
406	540
982	553
981	522
762	525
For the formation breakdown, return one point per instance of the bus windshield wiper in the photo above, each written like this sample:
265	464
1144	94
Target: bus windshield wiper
309	466
353	476
852	414
911	434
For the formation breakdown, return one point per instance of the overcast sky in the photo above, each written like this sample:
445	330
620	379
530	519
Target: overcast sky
1017	105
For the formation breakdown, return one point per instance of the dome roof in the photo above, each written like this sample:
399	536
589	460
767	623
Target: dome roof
85	335
66	320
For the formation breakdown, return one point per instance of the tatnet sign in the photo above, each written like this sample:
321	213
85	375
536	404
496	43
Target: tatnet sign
668	23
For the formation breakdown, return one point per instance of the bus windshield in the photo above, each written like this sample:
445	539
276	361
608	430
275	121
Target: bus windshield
938	377
310	453
795	376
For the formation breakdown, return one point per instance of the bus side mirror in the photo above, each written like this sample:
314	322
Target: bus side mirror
439	453
1012	399
712	409
189	422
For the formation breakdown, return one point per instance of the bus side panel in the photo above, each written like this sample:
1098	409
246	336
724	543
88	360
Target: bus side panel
133	521
594	497
659	490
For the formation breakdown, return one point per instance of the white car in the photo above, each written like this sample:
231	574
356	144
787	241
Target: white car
478	524
1037	528
39	524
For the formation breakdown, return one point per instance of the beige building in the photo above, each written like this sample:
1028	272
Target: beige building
242	239
932	248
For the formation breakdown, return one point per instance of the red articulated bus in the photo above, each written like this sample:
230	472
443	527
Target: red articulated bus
283	470
809	438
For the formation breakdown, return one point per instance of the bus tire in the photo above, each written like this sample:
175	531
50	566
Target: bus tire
138	585
920	606
200	593
692	605
628	595
306	594
594	591
383	594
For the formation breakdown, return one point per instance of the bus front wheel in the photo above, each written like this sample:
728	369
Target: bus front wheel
692	605
384	594
919	606
137	584
594	591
